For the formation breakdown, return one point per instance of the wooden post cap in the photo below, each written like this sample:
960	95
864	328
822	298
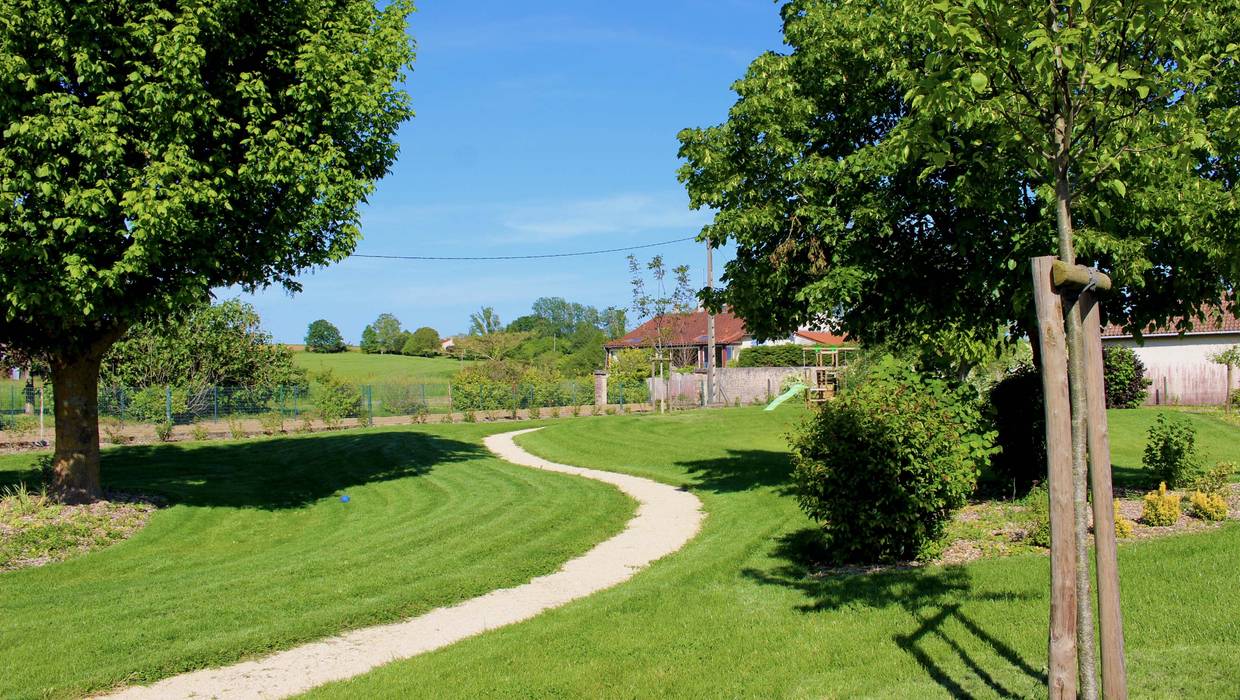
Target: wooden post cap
1065	275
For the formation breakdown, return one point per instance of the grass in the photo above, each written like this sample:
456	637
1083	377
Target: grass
1217	440
738	613
359	368
256	551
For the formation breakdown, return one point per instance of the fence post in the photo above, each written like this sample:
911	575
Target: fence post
168	403
296	392
424	404
621	384
215	402
370	403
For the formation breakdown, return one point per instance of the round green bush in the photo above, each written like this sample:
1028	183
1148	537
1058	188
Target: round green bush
883	466
1020	423
1124	377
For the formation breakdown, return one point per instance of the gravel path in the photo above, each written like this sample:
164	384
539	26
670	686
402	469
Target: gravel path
666	519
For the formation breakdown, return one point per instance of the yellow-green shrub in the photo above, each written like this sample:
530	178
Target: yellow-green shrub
1123	526
1161	507
1207	506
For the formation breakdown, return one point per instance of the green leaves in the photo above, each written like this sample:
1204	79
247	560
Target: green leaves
892	172
153	153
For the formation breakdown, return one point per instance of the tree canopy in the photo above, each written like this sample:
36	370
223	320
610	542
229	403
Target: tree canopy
889	174
152	152
323	336
383	336
424	341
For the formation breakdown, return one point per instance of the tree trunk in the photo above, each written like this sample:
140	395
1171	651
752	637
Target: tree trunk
75	383
1087	658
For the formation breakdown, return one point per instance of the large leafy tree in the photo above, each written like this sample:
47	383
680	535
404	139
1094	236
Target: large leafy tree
324	336
424	341
899	165
153	151
386	333
889	175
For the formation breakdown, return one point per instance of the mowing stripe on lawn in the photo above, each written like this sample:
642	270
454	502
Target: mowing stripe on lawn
666	519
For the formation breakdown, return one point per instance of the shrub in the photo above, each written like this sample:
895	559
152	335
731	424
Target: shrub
1171	451
365	419
1207	506
1123	526
1020	424
306	425
19	427
1038	501
1235	398
1161	508
884	466
236	428
1216	480
554	412
272	422
772	356
1124	377
402	398
470	417
535	413
114	431
163	431
335	399
199	432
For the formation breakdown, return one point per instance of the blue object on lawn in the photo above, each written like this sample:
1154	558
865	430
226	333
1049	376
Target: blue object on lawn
344	499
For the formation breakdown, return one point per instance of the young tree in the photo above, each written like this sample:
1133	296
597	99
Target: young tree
495	346
370	341
424	341
900	165
322	336
485	321
1229	358
155	151
665	306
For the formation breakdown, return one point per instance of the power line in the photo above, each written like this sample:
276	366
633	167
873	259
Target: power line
525	257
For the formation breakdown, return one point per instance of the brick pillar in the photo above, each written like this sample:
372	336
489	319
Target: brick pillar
600	388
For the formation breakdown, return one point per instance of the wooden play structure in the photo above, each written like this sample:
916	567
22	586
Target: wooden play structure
823	369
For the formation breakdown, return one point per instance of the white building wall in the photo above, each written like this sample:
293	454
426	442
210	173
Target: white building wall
1180	369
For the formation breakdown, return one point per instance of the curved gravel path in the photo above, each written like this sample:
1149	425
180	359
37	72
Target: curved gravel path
666	519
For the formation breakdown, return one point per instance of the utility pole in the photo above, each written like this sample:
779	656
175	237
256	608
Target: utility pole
710	332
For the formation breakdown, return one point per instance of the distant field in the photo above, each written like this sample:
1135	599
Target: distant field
379	369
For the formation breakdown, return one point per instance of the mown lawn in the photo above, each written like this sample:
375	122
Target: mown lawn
360	368
1217	440
256	552
737	613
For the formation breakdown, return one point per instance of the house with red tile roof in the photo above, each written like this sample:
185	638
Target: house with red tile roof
684	337
1177	357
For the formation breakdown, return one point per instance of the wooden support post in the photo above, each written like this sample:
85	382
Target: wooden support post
1062	676
1110	619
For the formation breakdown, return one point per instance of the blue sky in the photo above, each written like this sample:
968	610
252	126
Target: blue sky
541	127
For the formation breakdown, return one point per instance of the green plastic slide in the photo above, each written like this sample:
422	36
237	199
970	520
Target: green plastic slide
792	391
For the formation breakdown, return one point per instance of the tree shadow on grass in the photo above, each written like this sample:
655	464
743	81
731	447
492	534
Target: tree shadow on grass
286	472
932	597
740	470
